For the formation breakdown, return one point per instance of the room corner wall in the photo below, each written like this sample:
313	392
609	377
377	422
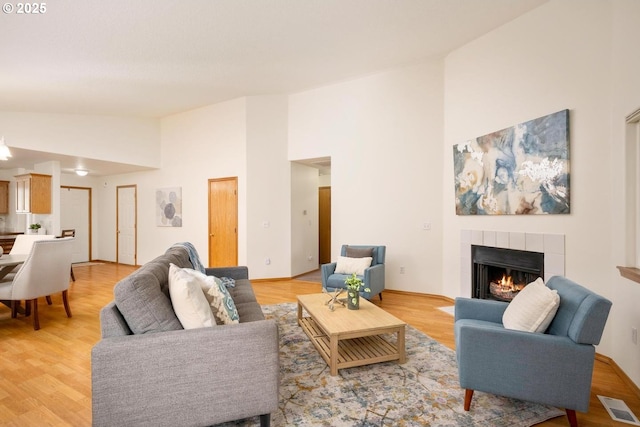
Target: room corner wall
625	293
556	57
268	188
383	134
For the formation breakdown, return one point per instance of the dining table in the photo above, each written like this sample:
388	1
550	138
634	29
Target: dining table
7	263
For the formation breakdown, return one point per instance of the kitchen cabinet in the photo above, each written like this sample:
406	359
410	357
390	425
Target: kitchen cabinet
33	193
4	197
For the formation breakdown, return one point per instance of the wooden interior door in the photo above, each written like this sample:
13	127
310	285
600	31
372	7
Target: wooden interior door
126	241
324	224
223	222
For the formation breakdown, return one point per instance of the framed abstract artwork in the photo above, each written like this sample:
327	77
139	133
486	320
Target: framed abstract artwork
169	207
521	170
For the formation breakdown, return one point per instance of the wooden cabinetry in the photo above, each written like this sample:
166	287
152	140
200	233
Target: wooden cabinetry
4	197
33	193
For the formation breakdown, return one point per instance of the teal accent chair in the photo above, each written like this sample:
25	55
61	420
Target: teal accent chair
373	277
552	368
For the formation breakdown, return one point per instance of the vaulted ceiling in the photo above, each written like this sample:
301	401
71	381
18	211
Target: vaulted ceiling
153	58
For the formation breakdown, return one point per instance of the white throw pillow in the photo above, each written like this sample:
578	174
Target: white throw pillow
533	309
206	282
188	299
346	265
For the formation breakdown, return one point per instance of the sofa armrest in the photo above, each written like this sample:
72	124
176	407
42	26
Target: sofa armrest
327	270
479	309
204	376
236	273
374	279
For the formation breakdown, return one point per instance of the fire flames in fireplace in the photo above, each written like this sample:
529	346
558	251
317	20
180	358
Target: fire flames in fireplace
516	268
505	289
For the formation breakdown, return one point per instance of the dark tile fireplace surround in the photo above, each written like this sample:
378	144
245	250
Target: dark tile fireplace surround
500	273
529	255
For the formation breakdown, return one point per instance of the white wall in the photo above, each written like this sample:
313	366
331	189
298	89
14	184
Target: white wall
304	219
555	57
268	188
625	294
383	134
196	146
244	138
128	140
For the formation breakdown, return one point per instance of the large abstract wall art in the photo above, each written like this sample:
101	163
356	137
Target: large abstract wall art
169	207
523	169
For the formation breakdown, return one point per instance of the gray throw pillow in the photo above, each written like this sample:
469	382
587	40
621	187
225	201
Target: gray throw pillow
352	252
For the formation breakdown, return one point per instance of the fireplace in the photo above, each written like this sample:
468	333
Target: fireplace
500	273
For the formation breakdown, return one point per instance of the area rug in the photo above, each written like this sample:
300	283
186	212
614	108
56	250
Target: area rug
424	391
86	264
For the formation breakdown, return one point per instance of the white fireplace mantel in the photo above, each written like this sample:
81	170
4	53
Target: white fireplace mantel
551	245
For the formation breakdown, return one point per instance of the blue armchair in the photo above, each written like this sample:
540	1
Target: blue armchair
553	368
373	277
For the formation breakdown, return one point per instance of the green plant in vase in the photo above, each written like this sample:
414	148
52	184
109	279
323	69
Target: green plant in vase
354	286
34	228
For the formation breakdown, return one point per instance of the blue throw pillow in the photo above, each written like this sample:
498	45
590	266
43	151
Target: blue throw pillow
223	304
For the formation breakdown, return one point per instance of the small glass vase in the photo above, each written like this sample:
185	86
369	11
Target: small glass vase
353	300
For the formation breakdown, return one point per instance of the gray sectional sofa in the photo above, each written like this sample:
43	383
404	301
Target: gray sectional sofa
148	371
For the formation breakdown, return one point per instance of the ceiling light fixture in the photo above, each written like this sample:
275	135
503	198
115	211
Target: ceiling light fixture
4	150
82	172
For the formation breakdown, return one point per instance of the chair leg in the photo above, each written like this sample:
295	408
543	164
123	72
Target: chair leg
380	296
73	276
49	299
468	395
573	420
14	308
65	300
27	308
36	321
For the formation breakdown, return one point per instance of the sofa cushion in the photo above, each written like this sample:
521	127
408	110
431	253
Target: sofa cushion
337	280
533	309
242	292
347	265
188	299
143	297
249	312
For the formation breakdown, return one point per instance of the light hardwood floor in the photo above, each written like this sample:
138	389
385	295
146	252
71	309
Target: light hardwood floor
45	375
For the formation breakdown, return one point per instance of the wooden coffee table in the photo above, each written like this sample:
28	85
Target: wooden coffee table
346	338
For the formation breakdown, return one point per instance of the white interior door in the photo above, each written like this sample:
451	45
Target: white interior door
75	214
126	239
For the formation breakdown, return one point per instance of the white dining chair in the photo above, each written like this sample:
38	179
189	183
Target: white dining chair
44	272
23	242
22	246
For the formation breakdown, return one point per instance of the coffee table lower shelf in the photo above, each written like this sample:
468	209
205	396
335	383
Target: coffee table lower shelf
352	351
